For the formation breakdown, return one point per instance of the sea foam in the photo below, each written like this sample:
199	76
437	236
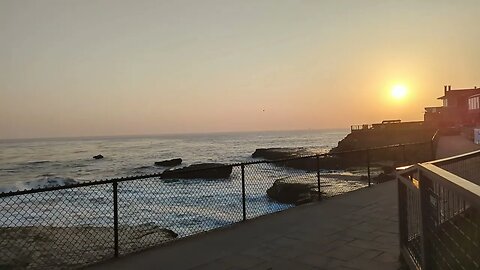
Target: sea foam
43	182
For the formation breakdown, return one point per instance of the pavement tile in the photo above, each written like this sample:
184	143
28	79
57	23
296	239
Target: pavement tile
284	264
387	257
365	227
360	243
320	261
387	239
287	252
363	264
284	242
262	252
215	265
241	261
345	252
370	254
353	233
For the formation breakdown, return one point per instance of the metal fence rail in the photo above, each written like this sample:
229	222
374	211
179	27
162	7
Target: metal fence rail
439	214
76	225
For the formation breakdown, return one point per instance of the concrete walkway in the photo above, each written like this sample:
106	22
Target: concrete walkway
358	230
454	145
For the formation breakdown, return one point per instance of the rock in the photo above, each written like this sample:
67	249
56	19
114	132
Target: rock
98	157
169	162
295	160
46	247
280	153
383	177
382	135
143	232
388	169
202	171
311	164
292	192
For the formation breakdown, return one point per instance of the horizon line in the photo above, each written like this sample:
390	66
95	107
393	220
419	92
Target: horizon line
161	134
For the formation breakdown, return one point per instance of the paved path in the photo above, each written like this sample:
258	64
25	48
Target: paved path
358	230
454	145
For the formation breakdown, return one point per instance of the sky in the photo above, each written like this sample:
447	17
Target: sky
94	68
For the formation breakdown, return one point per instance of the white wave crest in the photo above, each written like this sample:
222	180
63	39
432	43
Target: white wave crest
50	181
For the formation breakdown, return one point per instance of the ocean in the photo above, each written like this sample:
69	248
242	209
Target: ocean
33	163
186	206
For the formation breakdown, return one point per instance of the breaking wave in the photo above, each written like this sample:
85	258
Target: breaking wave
46	181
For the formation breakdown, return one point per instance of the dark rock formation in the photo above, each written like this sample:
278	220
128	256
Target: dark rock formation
383	177
295	160
388	169
328	162
281	153
169	162
287	191
98	157
381	135
46	247
387	173
202	171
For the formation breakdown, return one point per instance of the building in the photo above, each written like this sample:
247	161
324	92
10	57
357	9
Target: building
461	108
474	110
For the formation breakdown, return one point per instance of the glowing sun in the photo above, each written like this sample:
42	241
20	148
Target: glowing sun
399	91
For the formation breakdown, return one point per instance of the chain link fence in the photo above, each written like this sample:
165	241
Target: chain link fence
76	225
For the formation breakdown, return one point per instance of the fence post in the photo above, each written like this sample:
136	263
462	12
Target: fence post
115	217
425	185
402	214
318	177
368	168
243	193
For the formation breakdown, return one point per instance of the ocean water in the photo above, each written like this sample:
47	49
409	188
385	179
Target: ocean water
34	163
185	206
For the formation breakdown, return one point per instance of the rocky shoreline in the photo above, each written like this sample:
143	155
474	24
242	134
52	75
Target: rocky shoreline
350	153
200	171
49	247
300	190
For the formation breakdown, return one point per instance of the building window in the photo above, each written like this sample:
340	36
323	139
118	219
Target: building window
474	103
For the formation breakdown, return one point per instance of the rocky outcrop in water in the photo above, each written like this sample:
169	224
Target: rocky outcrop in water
287	190
169	163
295	160
296	190
98	157
200	171
383	177
281	153
414	136
388	174
45	247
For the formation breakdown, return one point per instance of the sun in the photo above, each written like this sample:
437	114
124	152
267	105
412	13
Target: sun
399	91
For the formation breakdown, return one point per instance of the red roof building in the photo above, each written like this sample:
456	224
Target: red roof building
461	108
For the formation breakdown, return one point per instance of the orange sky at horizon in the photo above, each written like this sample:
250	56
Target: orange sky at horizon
92	68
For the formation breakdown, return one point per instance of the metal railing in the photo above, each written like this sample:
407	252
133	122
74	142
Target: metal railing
439	218
360	127
76	225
